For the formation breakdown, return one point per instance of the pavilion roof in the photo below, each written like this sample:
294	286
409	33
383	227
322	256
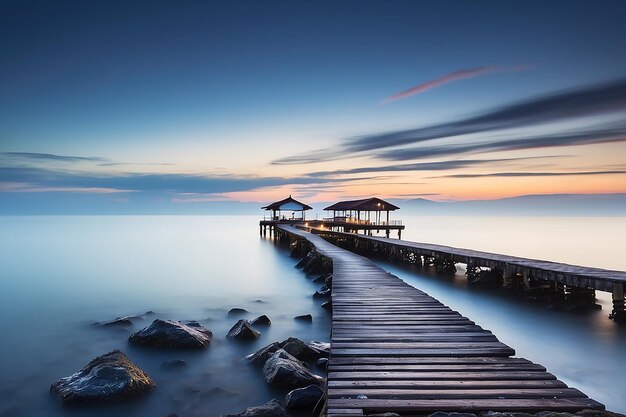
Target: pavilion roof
367	204
278	204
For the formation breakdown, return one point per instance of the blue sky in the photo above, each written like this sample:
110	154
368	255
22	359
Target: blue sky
223	94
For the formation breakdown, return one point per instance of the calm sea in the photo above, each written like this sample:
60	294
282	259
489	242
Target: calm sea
60	274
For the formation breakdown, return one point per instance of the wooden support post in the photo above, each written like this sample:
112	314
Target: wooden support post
618	313
399	233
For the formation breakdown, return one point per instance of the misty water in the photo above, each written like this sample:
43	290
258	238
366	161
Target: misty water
60	274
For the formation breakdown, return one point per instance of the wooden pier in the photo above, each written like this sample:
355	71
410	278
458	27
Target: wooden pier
396	349
578	280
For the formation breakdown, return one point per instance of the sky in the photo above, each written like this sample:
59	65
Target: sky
190	103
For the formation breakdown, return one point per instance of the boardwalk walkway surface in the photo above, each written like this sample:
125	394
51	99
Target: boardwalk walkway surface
395	348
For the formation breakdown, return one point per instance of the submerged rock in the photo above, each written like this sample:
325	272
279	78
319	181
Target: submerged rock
445	414
304	317
272	408
120	321
328	305
261	320
304	398
173	363
243	330
321	293
284	370
172	334
322	363
110	377
237	311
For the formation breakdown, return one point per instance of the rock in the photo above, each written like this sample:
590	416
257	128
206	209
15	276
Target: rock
485	279
310	257
149	313
260	356
320	278
328	281
110	377
444	414
384	415
598	413
304	398
505	414
323	348
237	311
304	317
120	321
271	408
328	305
259	301
553	414
322	363
261	320
300	350
321	293
173	363
243	330
283	370
172	334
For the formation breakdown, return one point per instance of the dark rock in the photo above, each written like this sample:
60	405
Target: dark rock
192	323
237	311
304	317
598	413
149	313
260	356
322	278
259	301
444	414
486	279
505	414
261	320
272	408
553	414
120	321
329	281
243	330
321	293
304	398
310	257
300	350
384	415
323	348
110	377
328	305
322	363
284	370
172	334
173	363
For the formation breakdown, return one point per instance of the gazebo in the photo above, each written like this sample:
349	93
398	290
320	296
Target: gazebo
289	205
360	211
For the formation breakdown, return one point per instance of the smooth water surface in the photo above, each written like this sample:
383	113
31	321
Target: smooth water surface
58	275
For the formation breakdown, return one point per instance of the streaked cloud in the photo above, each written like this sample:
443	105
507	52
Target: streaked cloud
438	82
612	134
35	156
421	166
603	99
534	174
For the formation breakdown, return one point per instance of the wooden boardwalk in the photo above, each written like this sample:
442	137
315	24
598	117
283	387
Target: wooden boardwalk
395	348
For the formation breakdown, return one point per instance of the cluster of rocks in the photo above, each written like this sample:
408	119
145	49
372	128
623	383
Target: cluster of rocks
583	413
285	365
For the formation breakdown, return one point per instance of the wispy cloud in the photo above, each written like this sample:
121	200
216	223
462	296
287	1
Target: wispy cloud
36	156
608	98
421	166
438	82
534	174
613	134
